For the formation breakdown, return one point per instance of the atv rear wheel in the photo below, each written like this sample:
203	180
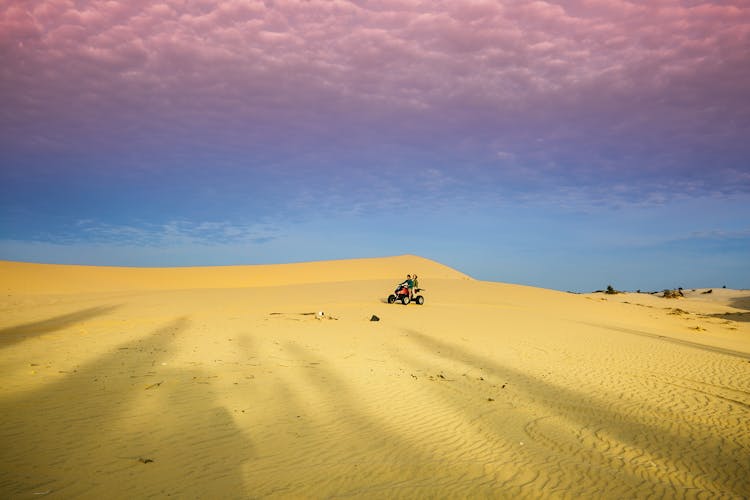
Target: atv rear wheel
391	299
419	300
405	300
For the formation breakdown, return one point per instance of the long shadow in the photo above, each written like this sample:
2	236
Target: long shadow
587	410
741	302
354	424
18	333
742	317
122	425
687	343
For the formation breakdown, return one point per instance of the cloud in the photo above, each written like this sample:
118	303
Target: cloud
169	234
720	235
618	91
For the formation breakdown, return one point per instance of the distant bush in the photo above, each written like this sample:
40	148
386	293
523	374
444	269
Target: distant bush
672	294
611	290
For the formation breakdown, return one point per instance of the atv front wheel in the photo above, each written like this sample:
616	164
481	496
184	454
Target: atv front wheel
391	299
405	300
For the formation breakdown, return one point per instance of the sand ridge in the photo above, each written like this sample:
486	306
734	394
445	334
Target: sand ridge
488	390
51	278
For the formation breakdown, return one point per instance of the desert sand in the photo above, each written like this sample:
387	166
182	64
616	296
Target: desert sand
226	383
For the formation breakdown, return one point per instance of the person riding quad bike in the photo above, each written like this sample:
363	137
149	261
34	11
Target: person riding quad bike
405	293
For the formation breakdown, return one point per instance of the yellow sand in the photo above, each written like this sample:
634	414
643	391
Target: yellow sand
220	383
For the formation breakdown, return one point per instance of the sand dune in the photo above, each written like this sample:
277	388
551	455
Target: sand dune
218	382
44	278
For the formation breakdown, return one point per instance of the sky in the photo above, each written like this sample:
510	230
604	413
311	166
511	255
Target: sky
568	145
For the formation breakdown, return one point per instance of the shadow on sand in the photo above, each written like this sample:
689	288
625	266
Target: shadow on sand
13	334
673	340
369	453
743	317
742	303
122	424
354	448
711	463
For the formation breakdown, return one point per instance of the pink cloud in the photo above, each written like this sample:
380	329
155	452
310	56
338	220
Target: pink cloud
81	72
16	26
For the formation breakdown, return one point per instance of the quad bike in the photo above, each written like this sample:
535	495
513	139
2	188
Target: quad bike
402	293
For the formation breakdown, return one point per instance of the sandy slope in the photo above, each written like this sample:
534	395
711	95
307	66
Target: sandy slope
43	278
218	383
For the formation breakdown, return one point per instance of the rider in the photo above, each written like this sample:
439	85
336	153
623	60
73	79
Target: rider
409	284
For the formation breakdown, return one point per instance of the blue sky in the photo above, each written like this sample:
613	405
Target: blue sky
567	145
